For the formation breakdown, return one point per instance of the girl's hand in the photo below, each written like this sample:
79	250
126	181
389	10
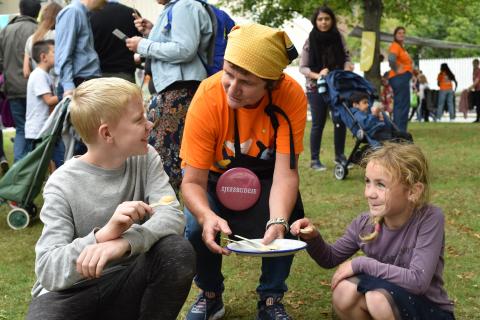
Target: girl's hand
344	271
304	229
324	72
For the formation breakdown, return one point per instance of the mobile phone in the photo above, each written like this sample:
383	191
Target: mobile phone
120	35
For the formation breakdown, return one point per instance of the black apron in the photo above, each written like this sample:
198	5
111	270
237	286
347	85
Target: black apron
251	222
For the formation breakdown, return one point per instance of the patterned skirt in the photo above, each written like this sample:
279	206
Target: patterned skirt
167	111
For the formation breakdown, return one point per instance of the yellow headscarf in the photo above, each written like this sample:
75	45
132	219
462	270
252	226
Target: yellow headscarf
259	49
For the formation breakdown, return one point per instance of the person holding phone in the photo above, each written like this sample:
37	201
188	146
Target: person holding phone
176	46
115	58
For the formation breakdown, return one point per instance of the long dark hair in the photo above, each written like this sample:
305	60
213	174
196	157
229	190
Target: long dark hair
326	48
444	68
328	11
396	31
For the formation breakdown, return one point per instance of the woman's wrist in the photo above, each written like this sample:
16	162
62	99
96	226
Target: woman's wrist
278	222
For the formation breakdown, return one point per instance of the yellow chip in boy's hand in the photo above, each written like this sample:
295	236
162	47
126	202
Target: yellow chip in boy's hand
167	199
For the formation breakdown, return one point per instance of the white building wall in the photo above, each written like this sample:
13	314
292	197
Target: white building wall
461	68
149	9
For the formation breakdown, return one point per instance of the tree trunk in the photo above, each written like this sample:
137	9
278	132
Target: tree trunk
371	22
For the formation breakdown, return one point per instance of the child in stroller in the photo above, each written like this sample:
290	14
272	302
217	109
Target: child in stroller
374	124
351	98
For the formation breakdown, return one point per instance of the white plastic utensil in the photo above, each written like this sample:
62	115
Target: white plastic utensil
257	244
241	243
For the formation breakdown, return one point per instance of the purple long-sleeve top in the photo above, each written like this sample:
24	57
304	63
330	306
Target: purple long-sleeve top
410	256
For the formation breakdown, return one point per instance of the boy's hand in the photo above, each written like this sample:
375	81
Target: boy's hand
304	229
93	258
126	214
344	271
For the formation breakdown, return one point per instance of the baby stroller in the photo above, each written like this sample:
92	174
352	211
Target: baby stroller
23	182
341	84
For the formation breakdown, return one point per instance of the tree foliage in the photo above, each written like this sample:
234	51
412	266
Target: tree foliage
438	19
443	19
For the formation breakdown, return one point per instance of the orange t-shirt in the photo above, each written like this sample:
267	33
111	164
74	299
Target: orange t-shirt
444	82
403	59
209	125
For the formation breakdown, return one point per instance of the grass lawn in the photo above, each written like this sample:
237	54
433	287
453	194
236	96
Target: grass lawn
454	153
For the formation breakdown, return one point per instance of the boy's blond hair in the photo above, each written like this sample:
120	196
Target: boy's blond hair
407	165
98	101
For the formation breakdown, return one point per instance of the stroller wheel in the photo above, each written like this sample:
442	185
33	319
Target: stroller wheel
340	171
18	218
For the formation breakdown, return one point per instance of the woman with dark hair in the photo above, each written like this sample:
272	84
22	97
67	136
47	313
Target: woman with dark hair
446	93
324	51
45	31
399	77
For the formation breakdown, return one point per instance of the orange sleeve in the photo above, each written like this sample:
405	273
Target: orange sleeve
293	101
395	49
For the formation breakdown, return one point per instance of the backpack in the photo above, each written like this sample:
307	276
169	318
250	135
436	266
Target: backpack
222	24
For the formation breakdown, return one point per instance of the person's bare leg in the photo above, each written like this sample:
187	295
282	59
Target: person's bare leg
348	303
378	306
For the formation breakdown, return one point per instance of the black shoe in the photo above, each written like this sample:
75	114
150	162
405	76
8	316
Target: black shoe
272	309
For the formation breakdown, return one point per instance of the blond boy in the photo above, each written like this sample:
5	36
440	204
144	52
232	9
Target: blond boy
104	252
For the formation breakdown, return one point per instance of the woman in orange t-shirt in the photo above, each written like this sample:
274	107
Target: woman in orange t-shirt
446	93
399	78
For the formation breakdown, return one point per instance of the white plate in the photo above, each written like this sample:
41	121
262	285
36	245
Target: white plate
285	247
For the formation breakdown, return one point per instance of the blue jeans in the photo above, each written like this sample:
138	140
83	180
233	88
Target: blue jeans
448	96
209	265
58	155
401	99
18	107
319	111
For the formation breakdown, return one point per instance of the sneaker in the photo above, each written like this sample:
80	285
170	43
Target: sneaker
272	309
205	308
317	165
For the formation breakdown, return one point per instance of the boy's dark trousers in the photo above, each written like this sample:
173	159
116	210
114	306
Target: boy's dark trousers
155	286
